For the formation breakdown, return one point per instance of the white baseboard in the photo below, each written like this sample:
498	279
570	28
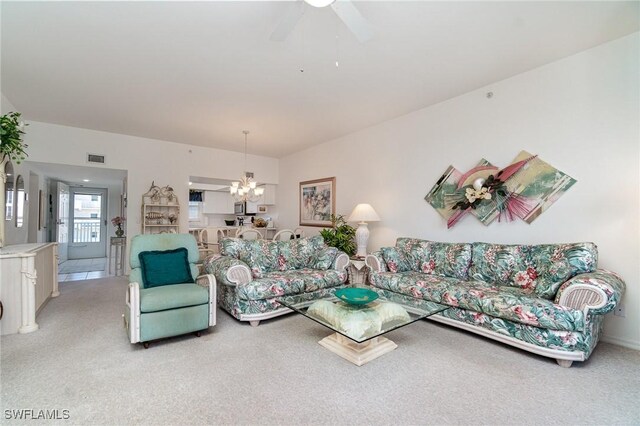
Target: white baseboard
621	342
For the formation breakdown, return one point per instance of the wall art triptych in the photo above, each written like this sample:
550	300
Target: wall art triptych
524	189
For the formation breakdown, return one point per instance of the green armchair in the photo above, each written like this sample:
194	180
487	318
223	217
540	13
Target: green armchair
163	298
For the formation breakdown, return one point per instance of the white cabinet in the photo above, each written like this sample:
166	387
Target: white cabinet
251	208
217	202
210	203
269	197
29	278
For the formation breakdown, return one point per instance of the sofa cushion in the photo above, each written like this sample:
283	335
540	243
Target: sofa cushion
164	267
503	265
298	254
557	263
172	297
313	279
504	302
269	287
542	268
260	255
231	247
395	259
323	259
400	282
446	259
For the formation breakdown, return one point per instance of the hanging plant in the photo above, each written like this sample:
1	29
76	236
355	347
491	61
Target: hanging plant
11	145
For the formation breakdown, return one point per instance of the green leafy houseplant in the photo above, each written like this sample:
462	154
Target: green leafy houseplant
11	130
340	235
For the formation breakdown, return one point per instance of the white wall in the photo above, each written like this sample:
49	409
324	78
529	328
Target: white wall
579	114
146	160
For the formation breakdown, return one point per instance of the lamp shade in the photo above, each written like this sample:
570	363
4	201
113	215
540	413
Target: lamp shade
319	3
364	213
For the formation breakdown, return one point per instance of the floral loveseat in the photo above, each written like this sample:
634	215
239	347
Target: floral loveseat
547	299
251	274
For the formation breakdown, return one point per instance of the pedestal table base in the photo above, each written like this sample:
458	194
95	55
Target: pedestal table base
358	353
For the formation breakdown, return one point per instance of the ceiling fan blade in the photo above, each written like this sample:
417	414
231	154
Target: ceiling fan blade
288	22
353	19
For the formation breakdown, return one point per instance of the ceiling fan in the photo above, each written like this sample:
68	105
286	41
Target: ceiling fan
345	10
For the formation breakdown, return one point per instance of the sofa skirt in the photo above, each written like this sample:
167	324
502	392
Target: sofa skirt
254	310
553	343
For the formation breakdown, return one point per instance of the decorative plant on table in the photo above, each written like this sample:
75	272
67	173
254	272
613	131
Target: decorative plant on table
118	221
340	235
11	145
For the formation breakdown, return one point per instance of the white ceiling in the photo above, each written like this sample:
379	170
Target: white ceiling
201	72
99	177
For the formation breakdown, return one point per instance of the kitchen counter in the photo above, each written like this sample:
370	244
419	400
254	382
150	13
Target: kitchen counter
230	231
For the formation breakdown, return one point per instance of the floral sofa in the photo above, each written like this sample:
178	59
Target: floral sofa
251	274
547	299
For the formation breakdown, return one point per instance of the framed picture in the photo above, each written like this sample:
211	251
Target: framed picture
317	202
262	209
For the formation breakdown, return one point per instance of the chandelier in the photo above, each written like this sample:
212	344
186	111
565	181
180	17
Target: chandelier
246	189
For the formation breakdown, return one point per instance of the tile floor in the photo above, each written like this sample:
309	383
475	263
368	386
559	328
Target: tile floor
84	269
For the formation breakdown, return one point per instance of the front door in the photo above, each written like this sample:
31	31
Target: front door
62	222
88	212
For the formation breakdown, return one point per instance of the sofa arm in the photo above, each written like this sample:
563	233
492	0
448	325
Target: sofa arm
341	262
206	280
375	262
228	270
132	316
593	293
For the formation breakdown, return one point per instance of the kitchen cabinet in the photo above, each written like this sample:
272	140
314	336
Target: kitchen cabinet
269	197
251	208
218	202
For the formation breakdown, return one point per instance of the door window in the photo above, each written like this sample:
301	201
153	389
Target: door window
87	217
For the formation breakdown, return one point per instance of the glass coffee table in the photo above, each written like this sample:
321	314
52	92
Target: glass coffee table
358	329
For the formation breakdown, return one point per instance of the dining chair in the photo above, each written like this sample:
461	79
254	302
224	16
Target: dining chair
284	235
250	234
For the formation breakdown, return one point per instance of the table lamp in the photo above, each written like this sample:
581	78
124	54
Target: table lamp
362	214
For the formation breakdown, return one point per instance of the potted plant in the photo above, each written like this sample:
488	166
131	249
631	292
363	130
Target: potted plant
118	221
11	145
340	235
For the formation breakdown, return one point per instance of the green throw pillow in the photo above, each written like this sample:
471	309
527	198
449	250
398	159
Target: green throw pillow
165	267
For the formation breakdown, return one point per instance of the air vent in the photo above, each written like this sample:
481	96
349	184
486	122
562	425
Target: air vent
95	158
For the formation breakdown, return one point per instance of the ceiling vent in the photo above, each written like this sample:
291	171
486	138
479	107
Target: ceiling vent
95	158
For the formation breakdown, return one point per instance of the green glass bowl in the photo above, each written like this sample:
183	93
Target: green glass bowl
356	296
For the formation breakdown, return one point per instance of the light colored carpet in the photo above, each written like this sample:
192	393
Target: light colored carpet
277	373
